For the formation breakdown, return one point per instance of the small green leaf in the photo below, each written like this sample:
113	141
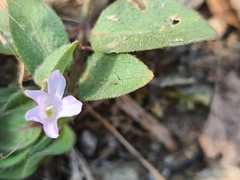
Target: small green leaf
41	144
59	59
5	94
14	172
62	144
24	169
16	99
15	131
130	25
13	159
36	31
112	75
6	43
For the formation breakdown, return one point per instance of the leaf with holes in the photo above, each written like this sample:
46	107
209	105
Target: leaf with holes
136	25
112	75
36	31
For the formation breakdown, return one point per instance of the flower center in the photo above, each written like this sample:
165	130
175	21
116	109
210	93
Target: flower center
49	111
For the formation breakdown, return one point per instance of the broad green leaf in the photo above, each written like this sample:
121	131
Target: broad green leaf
62	144
13	159
6	43
15	131
112	75
58	59
36	31
136	25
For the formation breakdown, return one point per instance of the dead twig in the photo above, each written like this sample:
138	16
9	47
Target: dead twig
84	165
147	121
128	146
93	105
78	162
76	174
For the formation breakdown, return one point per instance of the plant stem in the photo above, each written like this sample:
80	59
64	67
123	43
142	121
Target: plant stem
80	57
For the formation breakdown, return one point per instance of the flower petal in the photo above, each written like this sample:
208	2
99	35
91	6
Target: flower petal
34	115
51	129
37	95
56	84
70	107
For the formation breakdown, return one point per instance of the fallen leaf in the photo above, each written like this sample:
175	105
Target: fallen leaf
221	134
224	11
236	6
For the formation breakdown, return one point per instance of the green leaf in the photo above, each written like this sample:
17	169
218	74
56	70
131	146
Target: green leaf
136	25
6	43
5	94
41	144
59	59
14	158
24	169
36	31
14	172
16	99
15	131
108	76
62	144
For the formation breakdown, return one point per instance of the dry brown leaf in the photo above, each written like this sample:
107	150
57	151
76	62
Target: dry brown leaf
221	134
236	6
224	11
219	25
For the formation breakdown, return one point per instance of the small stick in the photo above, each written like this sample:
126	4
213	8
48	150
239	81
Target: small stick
93	105
76	174
128	146
147	121
84	165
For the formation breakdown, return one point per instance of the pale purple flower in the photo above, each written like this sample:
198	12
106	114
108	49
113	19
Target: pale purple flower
51	105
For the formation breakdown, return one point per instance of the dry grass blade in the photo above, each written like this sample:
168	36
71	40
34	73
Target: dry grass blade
128	146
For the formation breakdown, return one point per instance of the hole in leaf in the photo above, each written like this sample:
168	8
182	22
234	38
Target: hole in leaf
174	20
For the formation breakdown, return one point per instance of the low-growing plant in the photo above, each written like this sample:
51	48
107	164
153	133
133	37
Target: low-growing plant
31	30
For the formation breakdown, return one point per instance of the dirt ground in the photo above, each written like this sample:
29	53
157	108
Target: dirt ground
194	97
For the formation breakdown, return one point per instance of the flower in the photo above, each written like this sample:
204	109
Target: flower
51	105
